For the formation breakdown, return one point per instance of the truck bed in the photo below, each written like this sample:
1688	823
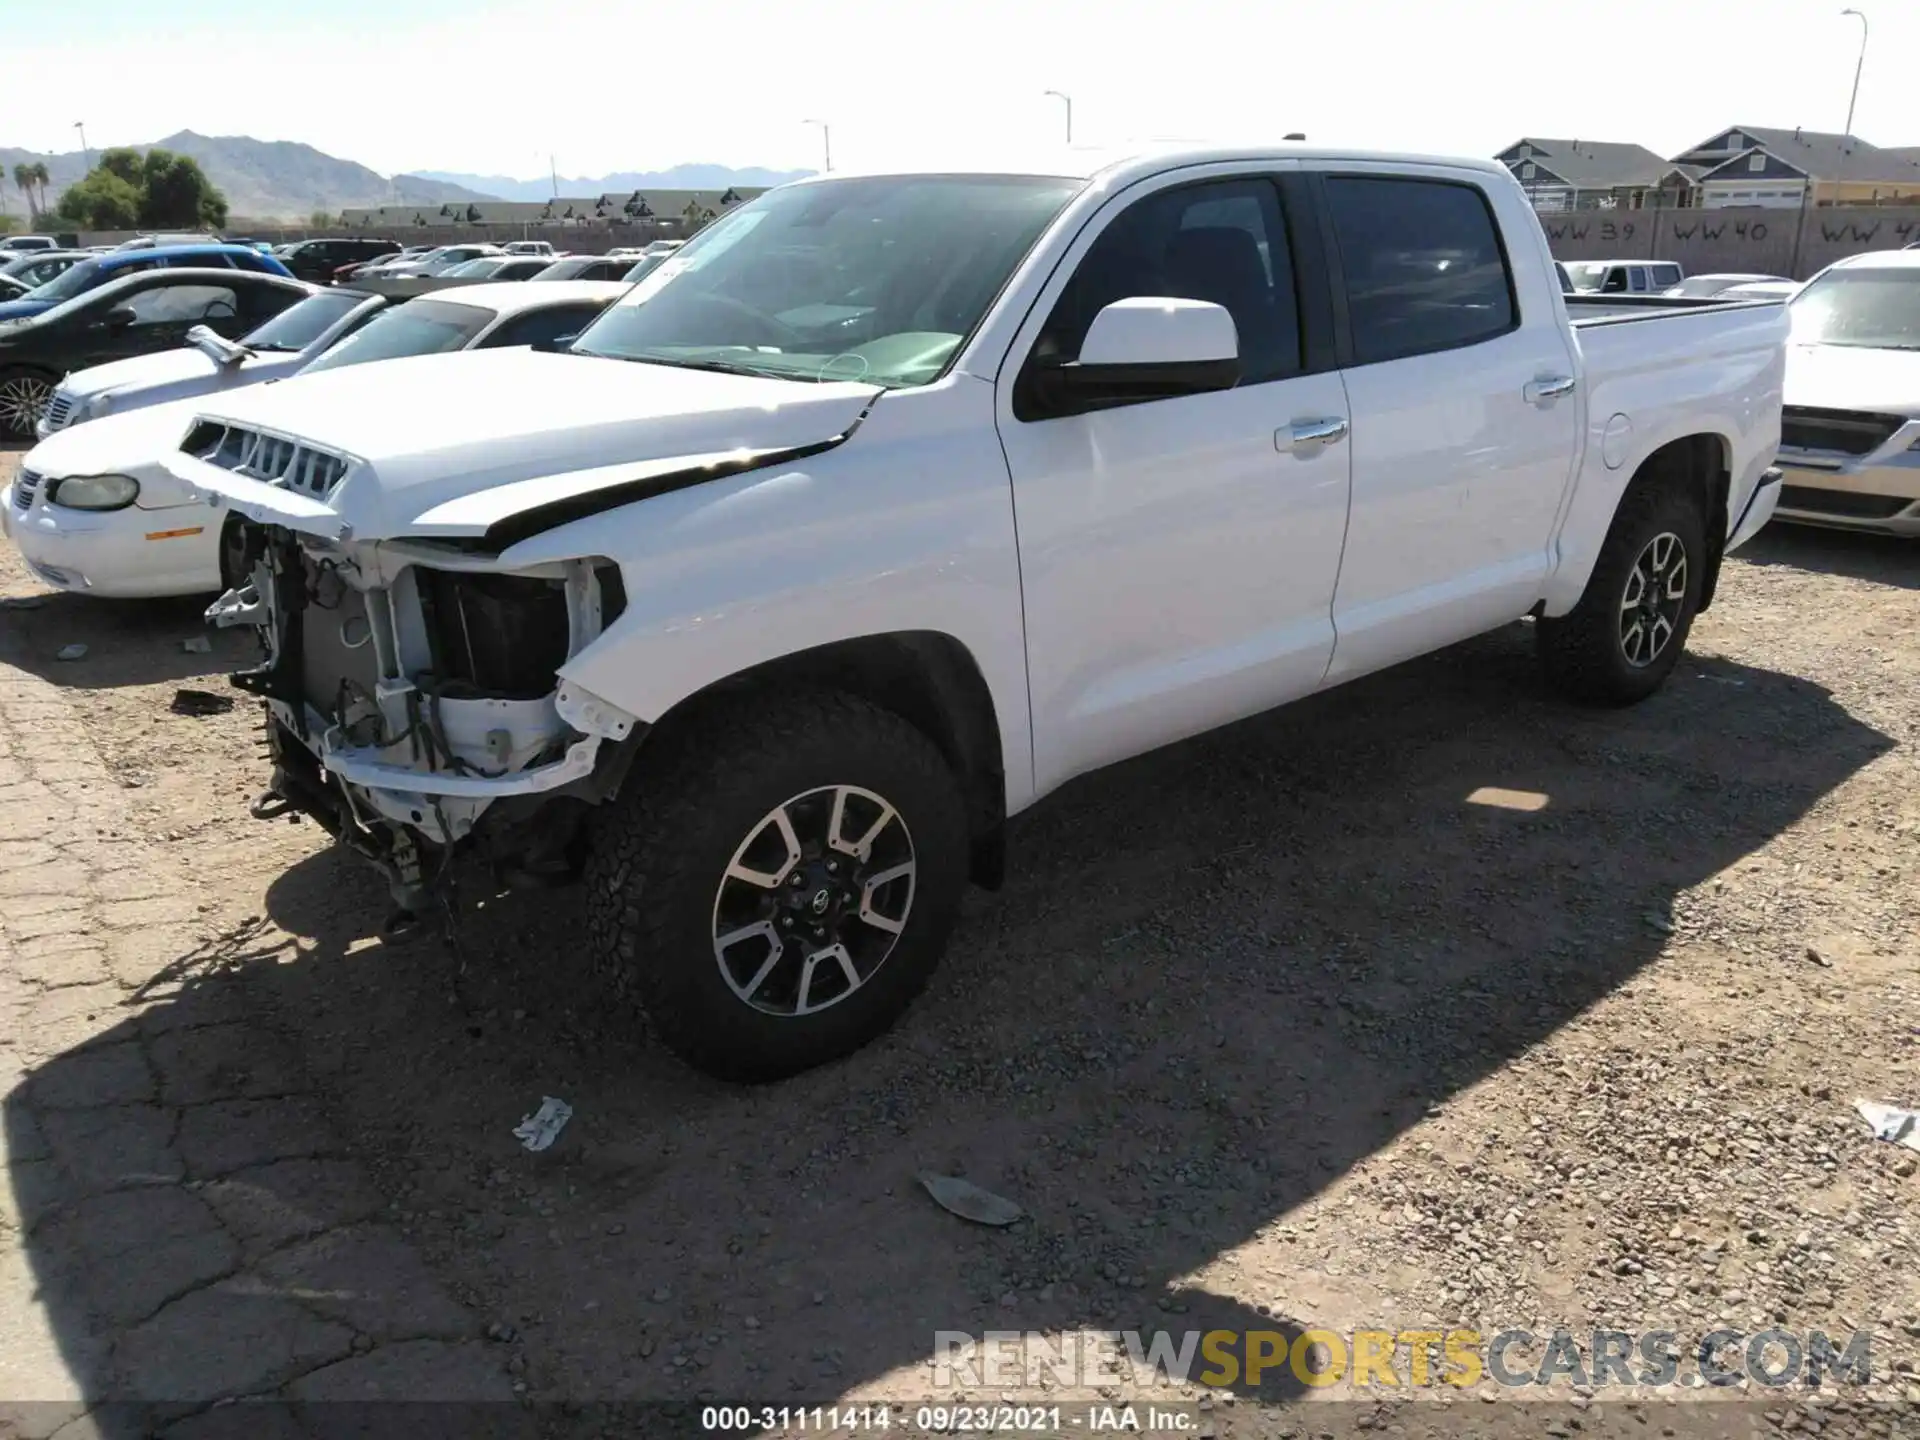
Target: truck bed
1589	310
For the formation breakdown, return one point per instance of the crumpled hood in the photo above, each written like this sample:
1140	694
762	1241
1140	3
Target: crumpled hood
451	444
1850	377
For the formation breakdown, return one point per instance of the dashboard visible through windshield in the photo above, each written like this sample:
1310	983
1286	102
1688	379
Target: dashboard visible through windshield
871	279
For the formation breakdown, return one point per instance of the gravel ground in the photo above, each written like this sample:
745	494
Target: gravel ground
1430	1002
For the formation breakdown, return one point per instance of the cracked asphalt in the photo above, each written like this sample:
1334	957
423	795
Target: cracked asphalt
1430	1001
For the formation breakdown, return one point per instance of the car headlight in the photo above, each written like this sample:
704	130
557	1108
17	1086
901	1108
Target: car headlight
94	492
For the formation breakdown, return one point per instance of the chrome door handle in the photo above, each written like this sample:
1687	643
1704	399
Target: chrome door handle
1309	437
1547	387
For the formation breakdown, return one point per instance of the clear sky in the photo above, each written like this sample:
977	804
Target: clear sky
494	86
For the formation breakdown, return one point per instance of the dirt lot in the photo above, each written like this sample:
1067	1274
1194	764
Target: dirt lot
1432	1001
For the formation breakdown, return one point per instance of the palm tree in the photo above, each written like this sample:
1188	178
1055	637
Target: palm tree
23	182
42	179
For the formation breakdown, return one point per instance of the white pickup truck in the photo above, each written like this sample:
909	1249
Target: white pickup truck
891	502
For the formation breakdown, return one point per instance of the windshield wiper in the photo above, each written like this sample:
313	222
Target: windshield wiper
274	348
718	367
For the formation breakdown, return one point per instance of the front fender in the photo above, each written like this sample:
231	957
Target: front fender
908	526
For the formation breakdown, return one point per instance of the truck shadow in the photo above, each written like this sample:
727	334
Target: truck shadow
1220	978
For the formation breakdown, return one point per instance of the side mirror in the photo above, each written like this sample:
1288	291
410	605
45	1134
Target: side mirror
120	317
557	344
1149	347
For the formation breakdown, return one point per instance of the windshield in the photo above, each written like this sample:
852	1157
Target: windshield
863	279
1872	309
298	326
420	327
484	265
75	280
1588	274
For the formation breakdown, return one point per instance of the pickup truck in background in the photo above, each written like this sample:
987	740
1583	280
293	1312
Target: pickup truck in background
891	502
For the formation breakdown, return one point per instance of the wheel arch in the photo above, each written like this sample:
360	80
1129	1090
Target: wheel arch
1699	464
926	677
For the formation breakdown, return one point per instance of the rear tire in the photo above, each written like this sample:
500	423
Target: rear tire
718	902
1619	644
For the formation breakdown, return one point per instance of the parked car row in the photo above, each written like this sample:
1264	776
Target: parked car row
111	522
719	601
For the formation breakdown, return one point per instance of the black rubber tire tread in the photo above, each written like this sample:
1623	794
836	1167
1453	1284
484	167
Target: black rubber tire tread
659	848
1581	651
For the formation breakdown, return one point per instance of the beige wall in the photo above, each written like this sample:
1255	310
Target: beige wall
1794	243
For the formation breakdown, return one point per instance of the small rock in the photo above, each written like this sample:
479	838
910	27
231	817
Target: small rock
1817	958
75	651
197	645
647	1346
662	1294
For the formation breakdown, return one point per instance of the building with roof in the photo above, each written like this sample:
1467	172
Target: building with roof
1783	169
1584	174
666	210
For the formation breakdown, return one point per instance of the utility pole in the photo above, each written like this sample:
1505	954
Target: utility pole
553	174
87	151
1846	150
1067	100
826	143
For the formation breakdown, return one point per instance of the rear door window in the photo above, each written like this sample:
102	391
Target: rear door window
1423	265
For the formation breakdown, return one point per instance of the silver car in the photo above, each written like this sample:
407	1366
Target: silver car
1850	433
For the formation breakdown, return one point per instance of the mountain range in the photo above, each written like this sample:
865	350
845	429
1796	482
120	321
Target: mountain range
284	180
679	177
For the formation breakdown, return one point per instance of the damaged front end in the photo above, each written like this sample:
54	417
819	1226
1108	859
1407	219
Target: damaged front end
416	706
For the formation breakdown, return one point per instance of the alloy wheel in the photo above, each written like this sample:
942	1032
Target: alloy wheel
1655	594
814	900
22	399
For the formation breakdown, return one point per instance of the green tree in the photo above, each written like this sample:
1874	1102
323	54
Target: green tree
159	190
319	220
23	182
102	201
177	194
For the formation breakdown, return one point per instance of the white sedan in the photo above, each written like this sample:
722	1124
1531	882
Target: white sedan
290	340
93	510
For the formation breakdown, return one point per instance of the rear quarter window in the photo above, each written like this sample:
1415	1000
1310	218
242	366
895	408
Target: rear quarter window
1423	264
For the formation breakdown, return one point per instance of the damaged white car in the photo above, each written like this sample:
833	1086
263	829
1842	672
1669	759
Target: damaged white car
890	503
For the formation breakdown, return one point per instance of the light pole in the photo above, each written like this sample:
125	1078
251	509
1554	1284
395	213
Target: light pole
1854	98
1066	100
85	150
826	140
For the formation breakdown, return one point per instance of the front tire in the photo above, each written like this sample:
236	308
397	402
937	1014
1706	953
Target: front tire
23	396
1619	644
777	883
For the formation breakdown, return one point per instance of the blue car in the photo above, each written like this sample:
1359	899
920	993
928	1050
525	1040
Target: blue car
89	273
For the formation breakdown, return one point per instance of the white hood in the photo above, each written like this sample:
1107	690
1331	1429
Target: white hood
164	367
136	443
173	375
426	438
1850	377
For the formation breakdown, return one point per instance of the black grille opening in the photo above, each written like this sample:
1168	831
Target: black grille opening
501	636
1849	503
1848	432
